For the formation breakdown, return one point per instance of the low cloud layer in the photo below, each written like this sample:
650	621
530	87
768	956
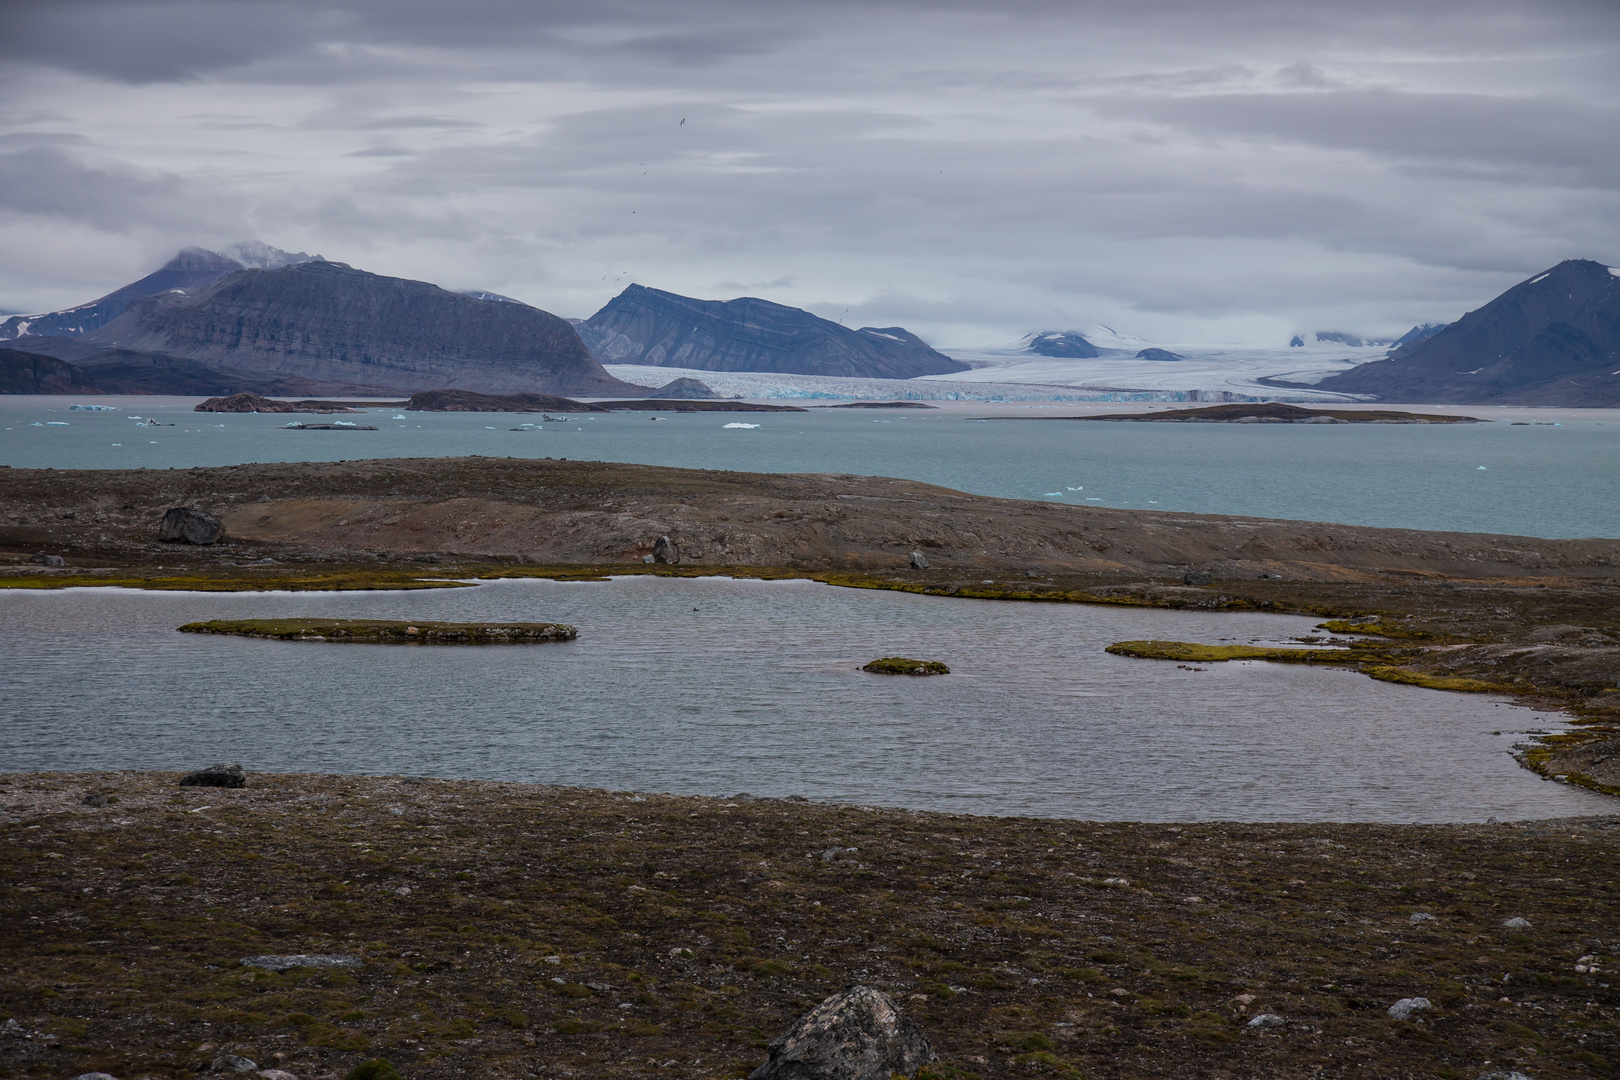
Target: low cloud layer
1182	171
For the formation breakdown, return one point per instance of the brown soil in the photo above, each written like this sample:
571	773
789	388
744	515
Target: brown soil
512	930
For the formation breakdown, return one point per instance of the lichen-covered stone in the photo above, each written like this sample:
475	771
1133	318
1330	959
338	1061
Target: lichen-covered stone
859	1034
228	775
181	524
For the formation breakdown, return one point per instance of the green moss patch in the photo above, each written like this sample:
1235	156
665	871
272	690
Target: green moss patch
901	665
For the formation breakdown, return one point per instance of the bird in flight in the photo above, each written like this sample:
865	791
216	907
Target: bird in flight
683	122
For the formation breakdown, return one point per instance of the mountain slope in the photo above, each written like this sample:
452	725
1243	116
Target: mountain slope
1551	340
191	269
653	327
329	322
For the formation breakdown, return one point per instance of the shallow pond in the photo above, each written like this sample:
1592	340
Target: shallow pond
718	686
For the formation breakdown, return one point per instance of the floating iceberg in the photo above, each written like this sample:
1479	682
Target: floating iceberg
735	425
1054	495
90	408
401	416
56	423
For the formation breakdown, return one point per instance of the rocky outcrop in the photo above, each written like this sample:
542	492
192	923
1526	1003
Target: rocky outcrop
31	373
1551	340
1067	345
685	389
326	321
661	329
228	775
253	403
665	551
467	401
1159	354
859	1034
181	524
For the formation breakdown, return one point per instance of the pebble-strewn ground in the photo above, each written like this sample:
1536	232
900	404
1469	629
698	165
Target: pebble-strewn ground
514	931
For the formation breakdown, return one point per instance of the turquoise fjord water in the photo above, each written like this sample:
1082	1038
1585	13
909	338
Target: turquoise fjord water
718	686
1534	480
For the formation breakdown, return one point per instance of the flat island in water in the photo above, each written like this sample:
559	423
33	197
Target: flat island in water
1269	412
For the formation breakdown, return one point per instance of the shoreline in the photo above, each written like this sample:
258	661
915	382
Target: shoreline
1538	620
505	927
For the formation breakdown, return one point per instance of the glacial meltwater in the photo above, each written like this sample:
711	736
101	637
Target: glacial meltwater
1530	472
720	686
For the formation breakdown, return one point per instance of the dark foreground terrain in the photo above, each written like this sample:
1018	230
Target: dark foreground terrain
513	931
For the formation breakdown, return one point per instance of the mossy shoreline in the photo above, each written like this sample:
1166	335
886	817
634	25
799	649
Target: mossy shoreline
1437	635
399	632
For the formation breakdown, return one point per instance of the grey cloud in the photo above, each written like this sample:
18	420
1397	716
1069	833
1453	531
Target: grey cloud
45	182
1574	139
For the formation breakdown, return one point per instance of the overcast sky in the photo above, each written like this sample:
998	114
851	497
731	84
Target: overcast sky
1186	171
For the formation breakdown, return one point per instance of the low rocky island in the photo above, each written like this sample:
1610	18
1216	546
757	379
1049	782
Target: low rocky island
386	631
901	665
1271	412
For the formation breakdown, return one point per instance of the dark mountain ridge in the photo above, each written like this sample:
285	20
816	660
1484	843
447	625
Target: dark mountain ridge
327	322
192	268
1551	340
662	329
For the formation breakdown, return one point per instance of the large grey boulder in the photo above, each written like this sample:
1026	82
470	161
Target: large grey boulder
47	560
230	774
859	1034
228	1063
183	525
665	551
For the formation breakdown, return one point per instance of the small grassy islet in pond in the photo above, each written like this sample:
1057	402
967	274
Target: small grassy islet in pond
386	631
901	665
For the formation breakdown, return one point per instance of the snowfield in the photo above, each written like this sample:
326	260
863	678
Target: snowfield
1009	373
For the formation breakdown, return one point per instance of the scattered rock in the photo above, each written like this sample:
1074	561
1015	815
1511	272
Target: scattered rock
1517	923
95	1076
302	960
859	1034
47	560
233	1063
428	558
181	524
230	775
1266	1020
1198	577
901	665
11	1029
919	561
276	1074
1588	965
1404	1008
1503	1074
1423	917
665	551
96	798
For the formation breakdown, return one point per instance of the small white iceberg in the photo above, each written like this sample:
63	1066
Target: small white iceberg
36	423
56	423
1481	469
401	416
1054	495
343	423
736	425
90	408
